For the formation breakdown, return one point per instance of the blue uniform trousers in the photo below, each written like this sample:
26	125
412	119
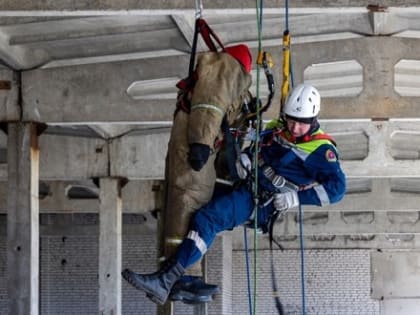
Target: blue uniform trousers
222	213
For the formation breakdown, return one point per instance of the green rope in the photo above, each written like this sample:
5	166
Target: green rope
257	141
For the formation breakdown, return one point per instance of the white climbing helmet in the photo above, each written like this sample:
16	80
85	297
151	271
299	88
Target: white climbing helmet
303	102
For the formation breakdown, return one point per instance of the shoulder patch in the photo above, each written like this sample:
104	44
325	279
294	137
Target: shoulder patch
330	156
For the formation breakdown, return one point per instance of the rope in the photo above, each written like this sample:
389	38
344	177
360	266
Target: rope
302	260
302	253
288	71
248	278
287	28
259	10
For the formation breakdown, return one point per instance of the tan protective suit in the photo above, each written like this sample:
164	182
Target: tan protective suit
222	83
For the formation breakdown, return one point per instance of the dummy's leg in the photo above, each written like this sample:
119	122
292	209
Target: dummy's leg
190	288
188	191
221	214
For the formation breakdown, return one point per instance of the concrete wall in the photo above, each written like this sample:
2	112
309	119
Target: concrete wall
69	281
3	274
338	281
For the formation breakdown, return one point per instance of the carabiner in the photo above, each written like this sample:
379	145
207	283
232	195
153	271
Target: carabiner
198	9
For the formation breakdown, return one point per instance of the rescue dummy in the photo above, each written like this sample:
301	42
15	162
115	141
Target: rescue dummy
298	165
221	82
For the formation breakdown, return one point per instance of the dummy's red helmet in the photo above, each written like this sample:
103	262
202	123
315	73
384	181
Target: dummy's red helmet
242	54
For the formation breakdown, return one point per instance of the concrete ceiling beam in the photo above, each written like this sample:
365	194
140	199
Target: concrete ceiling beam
97	92
185	4
64	157
378	57
138	197
368	150
140	154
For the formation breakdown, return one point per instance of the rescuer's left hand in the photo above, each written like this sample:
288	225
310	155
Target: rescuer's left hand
286	200
199	154
243	165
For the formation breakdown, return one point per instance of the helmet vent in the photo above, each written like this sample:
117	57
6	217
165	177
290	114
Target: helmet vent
310	100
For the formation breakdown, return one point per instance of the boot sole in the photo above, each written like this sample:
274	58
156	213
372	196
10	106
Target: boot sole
126	274
190	298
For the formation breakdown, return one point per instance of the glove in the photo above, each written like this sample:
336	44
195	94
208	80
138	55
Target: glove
286	200
243	165
199	154
277	180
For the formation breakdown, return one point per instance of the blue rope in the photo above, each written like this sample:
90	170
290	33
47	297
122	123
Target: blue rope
302	260
248	277
302	253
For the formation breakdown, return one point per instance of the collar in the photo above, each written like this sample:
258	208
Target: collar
305	138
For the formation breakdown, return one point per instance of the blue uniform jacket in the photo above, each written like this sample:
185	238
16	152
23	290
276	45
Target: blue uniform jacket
312	165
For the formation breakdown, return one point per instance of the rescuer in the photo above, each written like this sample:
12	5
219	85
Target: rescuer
297	165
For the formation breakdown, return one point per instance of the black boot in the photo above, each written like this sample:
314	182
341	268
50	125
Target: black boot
157	285
193	290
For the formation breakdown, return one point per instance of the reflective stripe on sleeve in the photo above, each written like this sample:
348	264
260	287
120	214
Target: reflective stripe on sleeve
199	242
300	153
322	195
208	106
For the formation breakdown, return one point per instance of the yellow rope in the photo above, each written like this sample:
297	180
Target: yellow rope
286	69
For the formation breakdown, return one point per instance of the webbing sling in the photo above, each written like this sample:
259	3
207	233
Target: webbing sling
187	84
202	28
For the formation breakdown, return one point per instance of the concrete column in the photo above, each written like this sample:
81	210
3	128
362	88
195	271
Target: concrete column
219	271
23	219
110	252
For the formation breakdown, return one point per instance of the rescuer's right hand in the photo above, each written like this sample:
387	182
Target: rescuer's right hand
286	200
